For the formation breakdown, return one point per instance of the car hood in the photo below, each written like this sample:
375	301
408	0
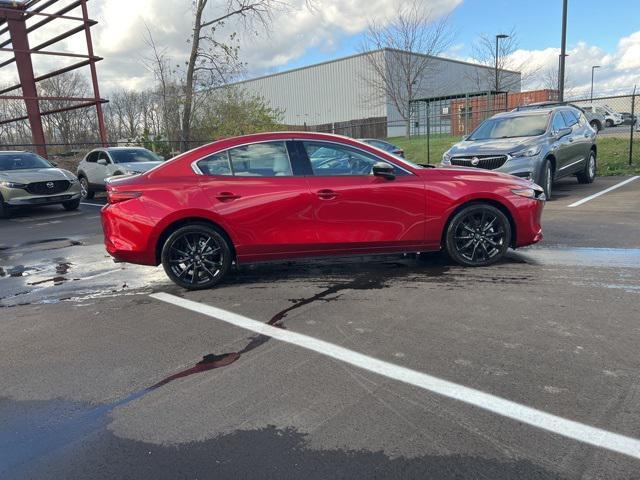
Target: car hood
490	146
138	166
479	175
36	175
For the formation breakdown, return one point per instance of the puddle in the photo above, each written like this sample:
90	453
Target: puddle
35	275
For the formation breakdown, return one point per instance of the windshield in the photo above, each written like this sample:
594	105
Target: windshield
511	127
133	155
22	161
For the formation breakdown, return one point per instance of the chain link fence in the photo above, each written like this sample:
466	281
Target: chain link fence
436	124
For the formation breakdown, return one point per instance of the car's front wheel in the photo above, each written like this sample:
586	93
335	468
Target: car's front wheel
196	256
71	205
546	179
85	189
478	235
5	210
588	174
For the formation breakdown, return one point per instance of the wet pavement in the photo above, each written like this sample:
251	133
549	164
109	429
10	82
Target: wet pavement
101	381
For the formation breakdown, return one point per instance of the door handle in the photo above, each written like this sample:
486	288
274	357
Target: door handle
327	194
227	196
571	139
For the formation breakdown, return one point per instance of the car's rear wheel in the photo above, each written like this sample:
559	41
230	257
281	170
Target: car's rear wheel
85	189
71	205
478	235
595	125
196	256
588	174
609	122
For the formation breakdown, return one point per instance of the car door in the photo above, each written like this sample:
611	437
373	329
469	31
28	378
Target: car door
579	141
263	198
561	146
355	210
89	166
102	171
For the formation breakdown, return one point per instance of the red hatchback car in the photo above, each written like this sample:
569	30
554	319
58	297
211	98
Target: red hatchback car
273	196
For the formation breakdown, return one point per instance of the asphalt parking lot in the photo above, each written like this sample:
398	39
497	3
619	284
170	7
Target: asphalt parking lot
104	378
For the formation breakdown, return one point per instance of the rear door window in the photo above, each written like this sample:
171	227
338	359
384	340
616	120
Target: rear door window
93	157
216	164
267	159
570	118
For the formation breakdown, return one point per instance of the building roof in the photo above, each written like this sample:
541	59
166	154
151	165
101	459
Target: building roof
335	60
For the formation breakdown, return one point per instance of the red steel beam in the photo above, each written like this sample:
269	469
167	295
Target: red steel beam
53	74
57	110
94	74
20	41
53	99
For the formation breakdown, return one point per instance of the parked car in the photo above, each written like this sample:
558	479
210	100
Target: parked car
262	197
597	121
28	180
102	163
386	146
628	119
612	118
543	143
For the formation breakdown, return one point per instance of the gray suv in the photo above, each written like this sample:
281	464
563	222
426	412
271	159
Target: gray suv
542	143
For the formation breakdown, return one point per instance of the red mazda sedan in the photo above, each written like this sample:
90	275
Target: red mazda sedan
273	196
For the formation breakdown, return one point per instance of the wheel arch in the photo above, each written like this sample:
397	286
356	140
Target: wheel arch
175	225
487	201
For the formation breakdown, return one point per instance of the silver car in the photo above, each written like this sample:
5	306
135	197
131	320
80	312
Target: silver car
102	163
28	180
543	144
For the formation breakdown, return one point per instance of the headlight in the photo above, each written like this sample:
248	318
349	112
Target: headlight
446	158
73	180
8	184
529	152
534	191
130	172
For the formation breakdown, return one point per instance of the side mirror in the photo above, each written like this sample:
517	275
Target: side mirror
563	132
102	162
384	170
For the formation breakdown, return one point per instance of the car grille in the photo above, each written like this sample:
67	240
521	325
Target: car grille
488	162
48	188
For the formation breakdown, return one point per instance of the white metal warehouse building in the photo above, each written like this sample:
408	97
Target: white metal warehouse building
342	90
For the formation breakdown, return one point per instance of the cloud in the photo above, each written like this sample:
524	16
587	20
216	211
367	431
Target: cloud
618	72
119	36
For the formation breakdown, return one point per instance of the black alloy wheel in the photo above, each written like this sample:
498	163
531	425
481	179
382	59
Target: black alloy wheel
196	256
478	235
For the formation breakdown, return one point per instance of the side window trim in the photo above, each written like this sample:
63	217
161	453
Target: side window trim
196	169
329	143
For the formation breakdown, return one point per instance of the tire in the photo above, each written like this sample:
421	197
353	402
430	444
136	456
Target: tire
588	173
5	210
609	123
85	189
196	272
546	178
596	125
71	205
478	235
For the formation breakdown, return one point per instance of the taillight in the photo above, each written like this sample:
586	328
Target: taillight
117	197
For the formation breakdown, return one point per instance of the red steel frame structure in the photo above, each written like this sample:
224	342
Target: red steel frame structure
15	15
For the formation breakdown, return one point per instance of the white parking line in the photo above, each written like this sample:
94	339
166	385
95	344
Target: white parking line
92	204
521	413
595	195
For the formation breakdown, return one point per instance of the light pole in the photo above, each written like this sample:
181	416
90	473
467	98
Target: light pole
498	37
563	51
592	70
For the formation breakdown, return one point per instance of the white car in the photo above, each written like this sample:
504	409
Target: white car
612	118
102	163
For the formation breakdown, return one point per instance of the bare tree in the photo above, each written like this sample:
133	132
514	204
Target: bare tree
550	81
403	50
485	53
212	60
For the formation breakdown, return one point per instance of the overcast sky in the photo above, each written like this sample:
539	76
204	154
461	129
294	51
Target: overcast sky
598	33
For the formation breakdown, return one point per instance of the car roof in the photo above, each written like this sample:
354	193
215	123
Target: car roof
522	113
12	152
